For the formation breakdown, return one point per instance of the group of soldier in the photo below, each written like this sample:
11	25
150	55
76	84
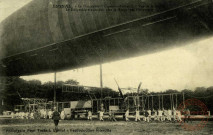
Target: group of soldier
156	115
45	114
25	115
147	115
144	115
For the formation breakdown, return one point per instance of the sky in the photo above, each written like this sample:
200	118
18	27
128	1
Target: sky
185	67
7	7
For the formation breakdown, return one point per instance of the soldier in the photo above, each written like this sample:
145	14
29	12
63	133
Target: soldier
165	115
72	114
62	115
154	114
101	115
42	113
16	114
45	114
110	114
22	115
174	114
50	114
36	114
143	115
160	115
56	118
12	115
150	114
113	116
169	115
32	115
127	115
187	116
137	115
89	117
178	115
27	115
146	114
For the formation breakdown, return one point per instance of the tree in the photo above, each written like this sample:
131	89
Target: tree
34	82
200	91
71	81
60	83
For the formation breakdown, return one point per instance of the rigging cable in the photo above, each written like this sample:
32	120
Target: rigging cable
176	102
148	102
171	101
198	97
152	103
162	102
159	101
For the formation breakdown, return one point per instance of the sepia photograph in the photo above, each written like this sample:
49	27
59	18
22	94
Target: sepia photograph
108	67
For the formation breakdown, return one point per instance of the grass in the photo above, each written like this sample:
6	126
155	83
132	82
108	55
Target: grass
46	127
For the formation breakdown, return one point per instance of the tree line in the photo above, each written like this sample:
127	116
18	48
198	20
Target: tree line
15	88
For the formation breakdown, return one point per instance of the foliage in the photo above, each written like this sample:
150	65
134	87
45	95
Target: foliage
15	88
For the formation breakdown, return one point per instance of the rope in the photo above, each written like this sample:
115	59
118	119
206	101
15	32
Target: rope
176	101
159	102
162	102
152	103
148	102
142	103
171	101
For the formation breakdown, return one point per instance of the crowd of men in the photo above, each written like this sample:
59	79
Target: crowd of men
156	115
46	114
144	115
150	115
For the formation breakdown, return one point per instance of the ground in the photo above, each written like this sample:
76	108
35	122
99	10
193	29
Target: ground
34	127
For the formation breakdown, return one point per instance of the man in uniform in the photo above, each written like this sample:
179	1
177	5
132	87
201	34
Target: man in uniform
50	113
27	115
110	114
32	115
45	114
127	115
56	118
137	115
150	114
22	115
101	115
146	118
12	115
187	116
113	115
169	115
62	115
174	114
160	115
178	115
154	114
89	117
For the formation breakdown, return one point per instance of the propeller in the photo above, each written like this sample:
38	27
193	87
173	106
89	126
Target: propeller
139	86
119	89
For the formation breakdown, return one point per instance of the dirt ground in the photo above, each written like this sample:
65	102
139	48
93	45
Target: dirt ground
46	127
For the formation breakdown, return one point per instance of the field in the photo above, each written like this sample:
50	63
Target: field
34	127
